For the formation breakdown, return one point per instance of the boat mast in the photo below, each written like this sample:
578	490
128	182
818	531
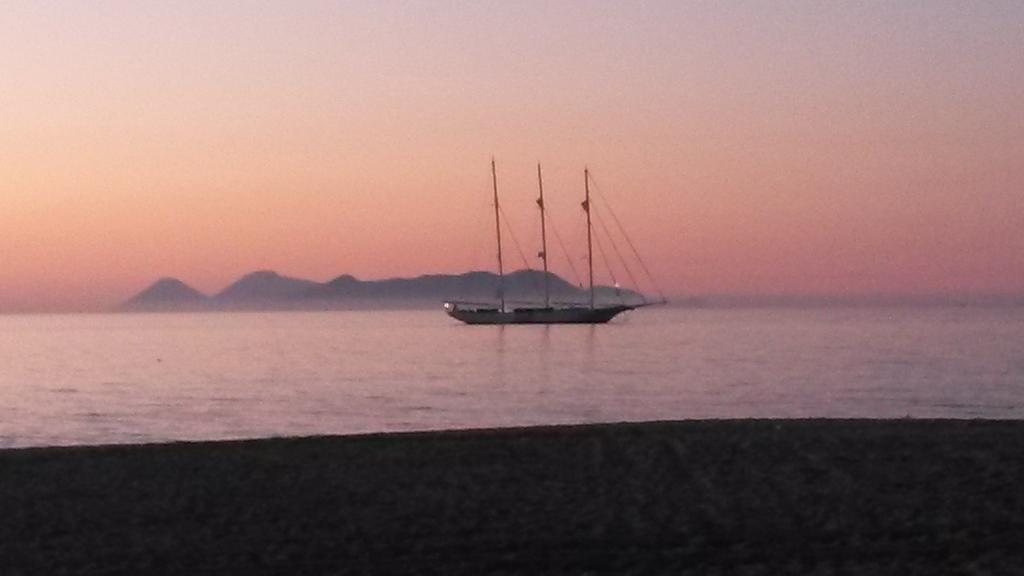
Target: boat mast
543	240
497	226
590	244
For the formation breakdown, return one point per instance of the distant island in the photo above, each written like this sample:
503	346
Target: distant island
268	290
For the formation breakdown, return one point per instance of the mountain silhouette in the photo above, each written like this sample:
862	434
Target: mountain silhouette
167	294
268	290
264	286
524	284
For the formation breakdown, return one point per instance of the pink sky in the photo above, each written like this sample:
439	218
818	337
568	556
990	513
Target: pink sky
750	147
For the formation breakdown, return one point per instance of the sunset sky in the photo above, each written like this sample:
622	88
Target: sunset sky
810	147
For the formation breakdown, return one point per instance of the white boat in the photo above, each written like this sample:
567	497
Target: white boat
547	313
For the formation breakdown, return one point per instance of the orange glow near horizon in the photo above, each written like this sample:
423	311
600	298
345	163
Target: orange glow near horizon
749	148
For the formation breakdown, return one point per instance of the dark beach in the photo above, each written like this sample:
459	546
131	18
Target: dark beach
700	497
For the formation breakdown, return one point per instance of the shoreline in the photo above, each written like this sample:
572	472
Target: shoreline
708	496
529	429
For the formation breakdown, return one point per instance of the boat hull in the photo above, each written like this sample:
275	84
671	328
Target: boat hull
536	315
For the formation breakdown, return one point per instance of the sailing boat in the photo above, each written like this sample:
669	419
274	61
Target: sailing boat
472	313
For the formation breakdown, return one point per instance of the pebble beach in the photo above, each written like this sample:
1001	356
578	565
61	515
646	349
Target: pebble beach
689	497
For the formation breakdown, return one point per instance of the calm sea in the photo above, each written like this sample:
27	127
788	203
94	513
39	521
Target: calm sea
92	379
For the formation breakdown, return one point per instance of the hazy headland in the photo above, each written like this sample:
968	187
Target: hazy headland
268	290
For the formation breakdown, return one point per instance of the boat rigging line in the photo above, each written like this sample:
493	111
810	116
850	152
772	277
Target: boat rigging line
607	264
519	249
565	252
618	253
629	240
